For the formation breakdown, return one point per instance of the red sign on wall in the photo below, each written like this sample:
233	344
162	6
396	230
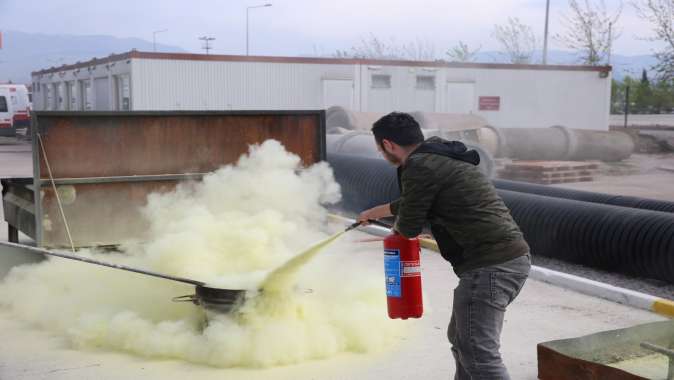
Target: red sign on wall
489	103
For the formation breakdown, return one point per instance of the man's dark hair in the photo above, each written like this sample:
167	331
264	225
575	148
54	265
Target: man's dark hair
399	127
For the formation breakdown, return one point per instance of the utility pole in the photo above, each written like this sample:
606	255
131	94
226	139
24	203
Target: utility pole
247	23
207	40
154	38
545	33
627	104
610	42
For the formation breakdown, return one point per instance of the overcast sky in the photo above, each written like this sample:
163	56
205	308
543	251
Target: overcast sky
297	27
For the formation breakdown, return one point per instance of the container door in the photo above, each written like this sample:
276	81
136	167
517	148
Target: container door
102	94
86	95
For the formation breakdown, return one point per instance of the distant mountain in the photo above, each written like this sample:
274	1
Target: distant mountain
23	53
622	64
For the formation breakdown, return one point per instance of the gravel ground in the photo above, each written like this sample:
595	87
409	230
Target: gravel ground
644	285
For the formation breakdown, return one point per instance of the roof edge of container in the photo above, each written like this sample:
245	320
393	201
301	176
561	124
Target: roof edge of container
316	60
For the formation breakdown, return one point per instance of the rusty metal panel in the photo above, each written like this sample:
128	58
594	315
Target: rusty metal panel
594	356
554	365
98	214
105	164
117	144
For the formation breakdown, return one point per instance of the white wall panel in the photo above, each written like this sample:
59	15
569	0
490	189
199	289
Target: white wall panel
528	98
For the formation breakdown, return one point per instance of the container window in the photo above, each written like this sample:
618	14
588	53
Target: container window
3	104
381	81
425	82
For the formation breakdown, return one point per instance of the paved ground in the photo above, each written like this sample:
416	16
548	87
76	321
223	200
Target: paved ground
541	313
641	175
642	120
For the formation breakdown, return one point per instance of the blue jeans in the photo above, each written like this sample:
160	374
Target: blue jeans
480	303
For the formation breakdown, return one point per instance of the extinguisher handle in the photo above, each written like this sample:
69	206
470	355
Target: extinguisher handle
379	223
370	221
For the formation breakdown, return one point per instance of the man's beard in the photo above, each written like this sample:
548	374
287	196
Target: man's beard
391	158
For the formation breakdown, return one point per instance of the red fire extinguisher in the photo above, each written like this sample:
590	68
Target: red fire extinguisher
403	277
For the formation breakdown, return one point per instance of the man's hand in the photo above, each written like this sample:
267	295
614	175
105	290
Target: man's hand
377	212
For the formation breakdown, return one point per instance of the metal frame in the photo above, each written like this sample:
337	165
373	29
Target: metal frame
181	113
129	178
38	183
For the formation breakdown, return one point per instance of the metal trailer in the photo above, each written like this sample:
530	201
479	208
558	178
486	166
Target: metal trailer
103	165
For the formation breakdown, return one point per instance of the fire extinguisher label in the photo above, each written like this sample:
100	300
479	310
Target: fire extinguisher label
411	268
392	272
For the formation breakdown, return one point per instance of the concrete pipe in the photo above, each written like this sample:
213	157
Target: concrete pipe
585	196
361	143
600	145
619	239
337	116
560	143
448	121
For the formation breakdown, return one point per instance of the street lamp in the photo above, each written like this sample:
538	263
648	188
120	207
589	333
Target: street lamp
154	38
247	23
545	33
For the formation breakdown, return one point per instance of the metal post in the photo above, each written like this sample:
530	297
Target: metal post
627	104
154	38
247	29
610	42
545	33
12	234
247	24
37	182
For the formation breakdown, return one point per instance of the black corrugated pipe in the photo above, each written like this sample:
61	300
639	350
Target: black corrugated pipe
585	196
620	239
365	182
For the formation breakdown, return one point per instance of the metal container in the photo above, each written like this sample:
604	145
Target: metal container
104	165
597	356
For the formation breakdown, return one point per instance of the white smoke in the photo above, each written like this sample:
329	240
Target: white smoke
229	230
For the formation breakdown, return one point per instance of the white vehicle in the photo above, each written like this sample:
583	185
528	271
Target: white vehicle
6	115
20	103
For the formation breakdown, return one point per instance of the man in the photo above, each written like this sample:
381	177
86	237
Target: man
442	186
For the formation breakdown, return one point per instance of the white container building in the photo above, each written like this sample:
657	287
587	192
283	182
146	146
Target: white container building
506	95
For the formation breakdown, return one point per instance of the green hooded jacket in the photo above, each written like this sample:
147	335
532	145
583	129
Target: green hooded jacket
442	185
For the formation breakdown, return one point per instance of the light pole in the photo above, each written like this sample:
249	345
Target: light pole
610	42
154	38
247	23
545	33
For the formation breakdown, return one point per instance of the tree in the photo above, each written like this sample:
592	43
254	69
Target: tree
617	97
516	39
659	14
376	48
643	94
662	98
590	30
462	53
